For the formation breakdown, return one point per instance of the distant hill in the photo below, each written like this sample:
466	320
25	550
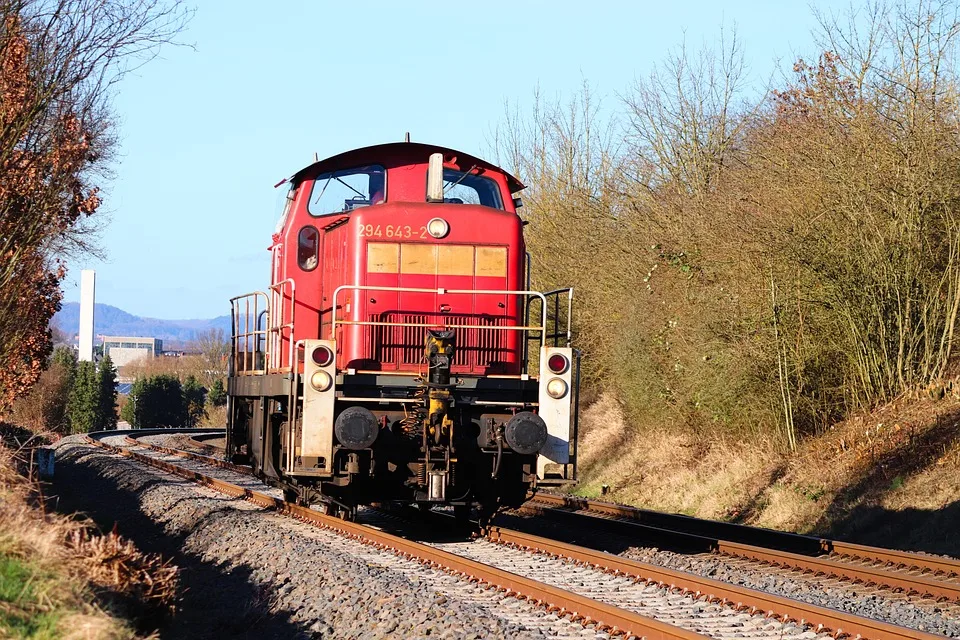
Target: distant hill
111	321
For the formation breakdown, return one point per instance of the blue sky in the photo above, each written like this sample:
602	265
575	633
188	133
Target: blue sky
207	131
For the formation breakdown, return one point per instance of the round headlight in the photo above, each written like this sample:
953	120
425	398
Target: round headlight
438	227
321	380
322	356
557	363
556	388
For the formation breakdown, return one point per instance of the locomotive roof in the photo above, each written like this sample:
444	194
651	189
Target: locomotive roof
397	152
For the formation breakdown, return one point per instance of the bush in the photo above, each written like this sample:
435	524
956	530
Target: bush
217	395
45	407
84	405
156	402
106	395
758	265
194	396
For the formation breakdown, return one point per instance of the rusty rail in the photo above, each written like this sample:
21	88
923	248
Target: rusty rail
580	608
741	598
200	440
841	560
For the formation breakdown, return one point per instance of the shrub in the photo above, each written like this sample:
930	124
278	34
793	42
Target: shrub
194	396
217	395
84	404
156	402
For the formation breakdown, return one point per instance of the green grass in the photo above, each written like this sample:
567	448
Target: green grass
21	612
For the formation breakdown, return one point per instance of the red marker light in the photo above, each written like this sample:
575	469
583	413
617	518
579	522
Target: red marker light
557	363
322	356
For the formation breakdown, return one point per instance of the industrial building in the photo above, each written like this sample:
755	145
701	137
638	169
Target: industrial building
124	349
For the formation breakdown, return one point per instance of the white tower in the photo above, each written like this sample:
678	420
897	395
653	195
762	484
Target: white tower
88	295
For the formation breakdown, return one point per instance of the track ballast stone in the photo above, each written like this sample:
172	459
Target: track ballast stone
664	604
848	597
877	604
321	583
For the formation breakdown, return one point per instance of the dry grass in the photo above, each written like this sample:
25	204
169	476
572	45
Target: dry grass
879	469
58	579
666	469
216	417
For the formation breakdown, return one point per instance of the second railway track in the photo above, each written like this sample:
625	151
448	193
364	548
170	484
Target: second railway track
927	576
620	595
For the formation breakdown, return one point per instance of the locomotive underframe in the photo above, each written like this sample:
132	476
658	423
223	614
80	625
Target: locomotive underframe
483	470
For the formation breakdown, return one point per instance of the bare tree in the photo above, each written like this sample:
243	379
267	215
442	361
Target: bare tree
59	60
687	116
214	348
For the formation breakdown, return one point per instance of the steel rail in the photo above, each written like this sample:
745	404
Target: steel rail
741	598
737	538
827	566
200	444
199	457
586	610
824	566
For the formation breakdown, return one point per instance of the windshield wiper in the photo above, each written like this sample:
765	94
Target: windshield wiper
325	185
462	178
351	188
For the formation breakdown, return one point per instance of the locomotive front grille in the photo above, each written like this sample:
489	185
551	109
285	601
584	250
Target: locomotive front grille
477	349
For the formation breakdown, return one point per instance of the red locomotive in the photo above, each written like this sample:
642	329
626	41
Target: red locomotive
398	354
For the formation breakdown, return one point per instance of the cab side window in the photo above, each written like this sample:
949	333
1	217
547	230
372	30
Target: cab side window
347	189
461	187
308	248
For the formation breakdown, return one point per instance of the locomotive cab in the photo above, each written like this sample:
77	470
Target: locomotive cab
398	353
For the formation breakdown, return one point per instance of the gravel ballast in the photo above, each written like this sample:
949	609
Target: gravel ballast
288	579
869	602
253	573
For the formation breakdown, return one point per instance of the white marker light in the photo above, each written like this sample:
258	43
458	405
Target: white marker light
438	227
320	380
556	388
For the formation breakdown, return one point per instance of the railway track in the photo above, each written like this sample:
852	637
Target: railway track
915	574
596	587
921	575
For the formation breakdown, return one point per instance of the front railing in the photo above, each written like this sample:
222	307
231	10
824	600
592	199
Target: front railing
247	338
559	319
260	322
529	330
263	321
278	330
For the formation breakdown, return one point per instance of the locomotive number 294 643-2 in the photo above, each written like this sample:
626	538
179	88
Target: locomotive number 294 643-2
392	231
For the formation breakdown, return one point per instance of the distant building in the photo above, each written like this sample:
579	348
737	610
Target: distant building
124	350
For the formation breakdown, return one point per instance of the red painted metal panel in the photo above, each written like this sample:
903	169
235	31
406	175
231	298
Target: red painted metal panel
402	220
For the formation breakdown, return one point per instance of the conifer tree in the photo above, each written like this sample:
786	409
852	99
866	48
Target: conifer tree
217	395
193	399
83	405
156	402
66	358
106	395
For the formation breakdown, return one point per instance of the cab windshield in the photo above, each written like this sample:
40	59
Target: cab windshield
468	188
347	189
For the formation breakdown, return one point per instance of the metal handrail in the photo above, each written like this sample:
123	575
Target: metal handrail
292	402
426	325
439	291
276	330
556	313
248	306
248	335
526	328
